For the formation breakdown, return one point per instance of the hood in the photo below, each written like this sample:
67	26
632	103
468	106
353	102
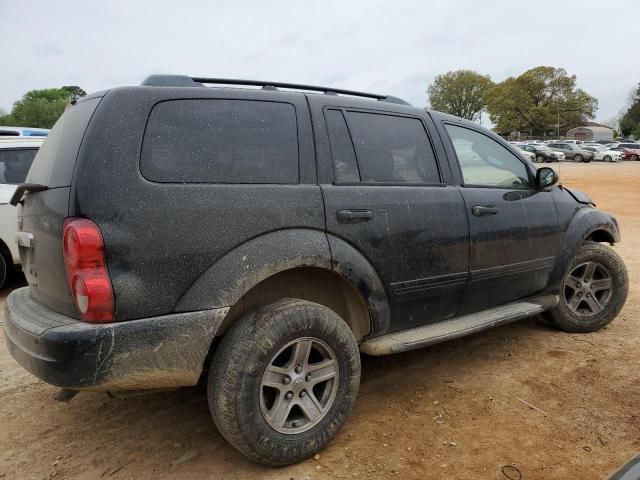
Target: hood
579	196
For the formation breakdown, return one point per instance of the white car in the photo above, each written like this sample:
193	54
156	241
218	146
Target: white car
525	153
16	156
603	153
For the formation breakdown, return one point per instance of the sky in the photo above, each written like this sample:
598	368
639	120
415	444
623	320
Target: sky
388	47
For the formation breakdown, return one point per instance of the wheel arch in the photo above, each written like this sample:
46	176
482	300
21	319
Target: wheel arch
271	265
587	225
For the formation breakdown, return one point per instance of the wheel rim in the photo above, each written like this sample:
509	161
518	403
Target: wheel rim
588	289
578	158
607	158
299	385
539	158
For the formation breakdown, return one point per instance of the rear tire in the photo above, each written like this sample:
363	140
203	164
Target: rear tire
265	393
593	290
5	271
634	157
539	159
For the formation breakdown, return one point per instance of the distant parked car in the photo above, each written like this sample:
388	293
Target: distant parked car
526	153
23	132
572	151
543	153
16	156
630	151
575	142
601	152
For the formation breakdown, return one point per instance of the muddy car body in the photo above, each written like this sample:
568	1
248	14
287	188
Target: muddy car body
269	235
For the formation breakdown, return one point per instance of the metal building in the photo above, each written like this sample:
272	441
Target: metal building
591	132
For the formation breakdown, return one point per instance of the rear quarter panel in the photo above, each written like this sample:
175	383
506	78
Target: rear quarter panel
161	237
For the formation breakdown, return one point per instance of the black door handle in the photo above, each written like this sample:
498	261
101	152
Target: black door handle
484	210
354	216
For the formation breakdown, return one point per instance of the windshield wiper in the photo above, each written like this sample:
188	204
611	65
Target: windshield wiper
24	188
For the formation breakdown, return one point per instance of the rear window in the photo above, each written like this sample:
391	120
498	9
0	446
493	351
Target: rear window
221	141
53	165
15	164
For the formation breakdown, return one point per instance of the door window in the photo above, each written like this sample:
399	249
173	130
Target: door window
485	162
344	158
392	149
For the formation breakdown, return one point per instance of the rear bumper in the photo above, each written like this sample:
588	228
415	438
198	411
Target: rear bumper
157	352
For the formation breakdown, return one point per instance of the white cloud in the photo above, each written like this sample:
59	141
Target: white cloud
387	47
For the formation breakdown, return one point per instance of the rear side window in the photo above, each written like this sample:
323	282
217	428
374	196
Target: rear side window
53	165
392	149
221	141
15	164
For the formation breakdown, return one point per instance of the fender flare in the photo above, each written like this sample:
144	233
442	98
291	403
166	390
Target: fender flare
585	221
242	268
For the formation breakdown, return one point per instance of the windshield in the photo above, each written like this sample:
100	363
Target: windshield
15	164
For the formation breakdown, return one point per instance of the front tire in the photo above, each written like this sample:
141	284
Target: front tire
284	380
578	158
593	291
607	158
539	159
634	157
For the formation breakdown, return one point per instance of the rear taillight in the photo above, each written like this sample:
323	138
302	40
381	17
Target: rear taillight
87	273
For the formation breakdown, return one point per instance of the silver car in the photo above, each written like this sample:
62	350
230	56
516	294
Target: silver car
572	151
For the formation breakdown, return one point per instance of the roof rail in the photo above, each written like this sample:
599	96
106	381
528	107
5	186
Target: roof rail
186	81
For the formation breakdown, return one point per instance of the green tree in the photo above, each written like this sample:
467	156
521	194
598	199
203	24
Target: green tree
462	93
534	101
75	92
630	121
41	108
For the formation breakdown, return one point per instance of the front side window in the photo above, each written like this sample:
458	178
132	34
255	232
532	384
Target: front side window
485	162
15	164
392	149
221	141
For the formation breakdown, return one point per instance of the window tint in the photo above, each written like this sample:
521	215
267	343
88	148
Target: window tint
344	158
392	149
15	164
221	141
485	162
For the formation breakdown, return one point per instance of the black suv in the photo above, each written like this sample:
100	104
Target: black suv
264	237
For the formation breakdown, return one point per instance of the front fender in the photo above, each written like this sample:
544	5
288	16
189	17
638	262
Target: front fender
584	222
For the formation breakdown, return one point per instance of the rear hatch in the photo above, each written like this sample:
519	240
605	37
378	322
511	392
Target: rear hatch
42	213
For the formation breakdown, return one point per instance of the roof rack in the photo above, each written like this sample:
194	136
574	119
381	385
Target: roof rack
186	81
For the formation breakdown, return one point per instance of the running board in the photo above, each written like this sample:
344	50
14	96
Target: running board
458	326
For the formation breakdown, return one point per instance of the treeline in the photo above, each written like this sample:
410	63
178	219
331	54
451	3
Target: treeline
538	101
630	118
41	108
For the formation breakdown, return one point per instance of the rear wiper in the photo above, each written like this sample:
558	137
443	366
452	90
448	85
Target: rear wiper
24	188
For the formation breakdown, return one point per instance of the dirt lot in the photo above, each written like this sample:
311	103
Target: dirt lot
450	411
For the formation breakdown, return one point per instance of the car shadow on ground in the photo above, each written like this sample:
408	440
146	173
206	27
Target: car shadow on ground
17	280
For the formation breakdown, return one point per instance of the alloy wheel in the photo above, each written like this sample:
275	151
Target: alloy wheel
299	385
588	289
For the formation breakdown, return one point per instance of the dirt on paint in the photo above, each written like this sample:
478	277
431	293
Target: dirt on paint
456	410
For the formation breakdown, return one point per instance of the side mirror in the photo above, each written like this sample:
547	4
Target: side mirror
545	177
